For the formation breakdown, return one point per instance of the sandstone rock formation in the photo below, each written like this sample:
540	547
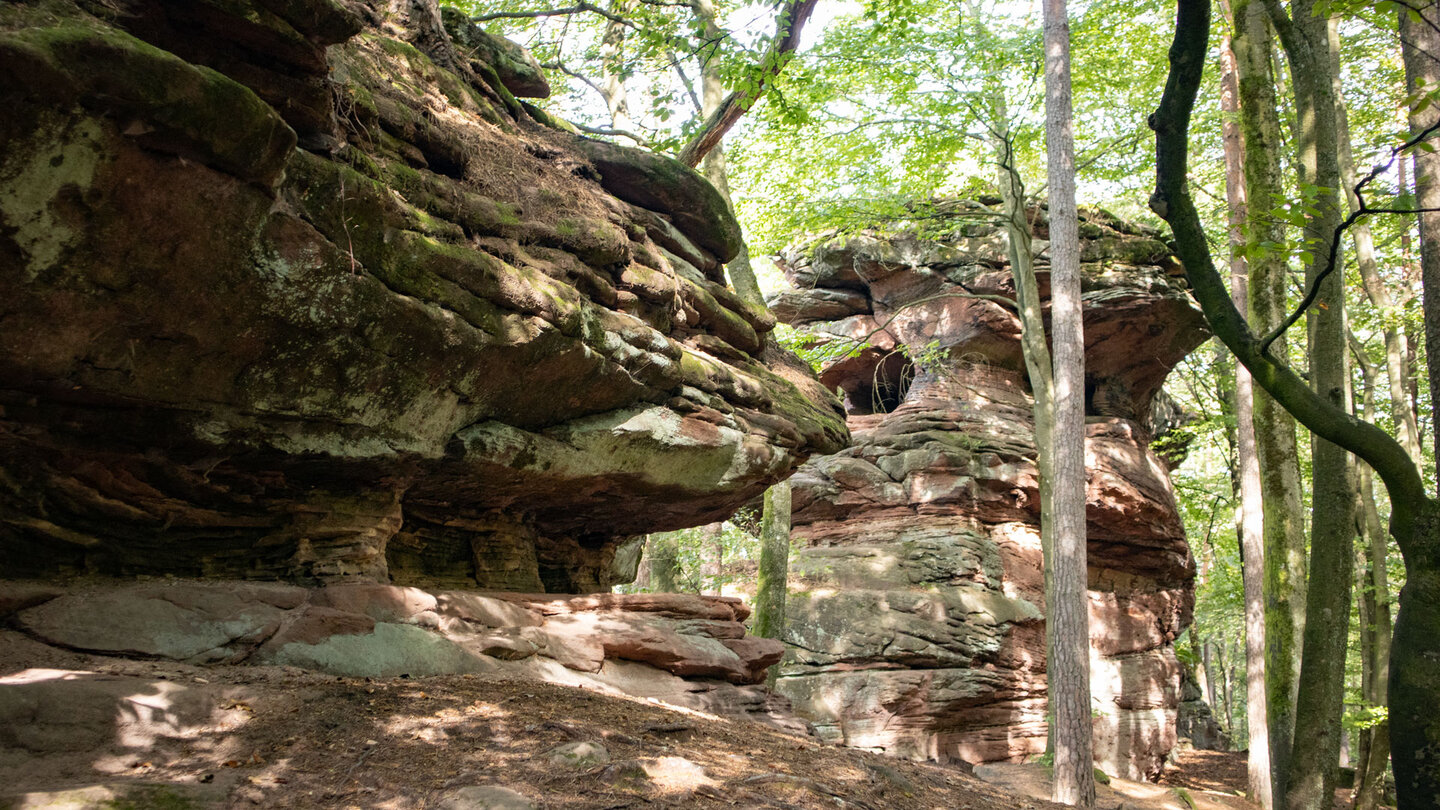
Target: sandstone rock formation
686	650
300	290
919	626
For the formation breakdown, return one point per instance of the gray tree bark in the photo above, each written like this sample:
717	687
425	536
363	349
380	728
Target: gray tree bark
1320	697
1420	47
1279	461
1375	626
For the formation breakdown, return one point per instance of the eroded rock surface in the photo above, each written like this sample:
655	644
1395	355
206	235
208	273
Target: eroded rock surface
686	650
302	291
918	628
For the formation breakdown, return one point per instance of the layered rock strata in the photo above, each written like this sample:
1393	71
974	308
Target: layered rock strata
300	290
686	650
916	619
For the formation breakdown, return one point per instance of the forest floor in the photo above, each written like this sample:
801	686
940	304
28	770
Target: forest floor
244	737
1218	771
1223	772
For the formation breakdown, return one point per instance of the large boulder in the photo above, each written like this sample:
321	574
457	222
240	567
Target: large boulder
299	290
918	625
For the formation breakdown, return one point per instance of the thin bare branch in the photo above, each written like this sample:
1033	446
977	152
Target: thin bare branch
1362	208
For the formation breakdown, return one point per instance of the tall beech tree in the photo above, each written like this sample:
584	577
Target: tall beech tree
1414	689
1320	694
1283	562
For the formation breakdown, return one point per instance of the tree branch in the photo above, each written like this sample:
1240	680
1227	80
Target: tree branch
575	74
615	133
788	25
1283	26
578	8
1361	209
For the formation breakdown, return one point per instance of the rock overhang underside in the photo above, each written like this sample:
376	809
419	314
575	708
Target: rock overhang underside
302	290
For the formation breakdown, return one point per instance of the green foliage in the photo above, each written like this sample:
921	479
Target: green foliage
817	350
694	553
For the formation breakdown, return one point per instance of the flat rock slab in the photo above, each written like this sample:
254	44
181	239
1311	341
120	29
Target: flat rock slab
117	796
689	650
484	797
156	621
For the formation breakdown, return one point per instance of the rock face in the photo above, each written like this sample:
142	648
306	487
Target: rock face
1195	720
918	628
300	290
687	650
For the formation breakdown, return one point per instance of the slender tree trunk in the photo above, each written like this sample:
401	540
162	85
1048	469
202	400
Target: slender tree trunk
612	62
712	95
1206	671
712	571
1068	607
1252	509
1319	703
663	568
772	582
1397	344
1420	46
1374	626
1034	348
642	573
1283	557
1365	616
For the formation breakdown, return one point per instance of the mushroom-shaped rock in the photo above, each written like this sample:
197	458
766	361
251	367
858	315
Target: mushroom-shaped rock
919	623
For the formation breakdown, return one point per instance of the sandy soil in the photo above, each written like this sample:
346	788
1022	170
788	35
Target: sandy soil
280	737
286	738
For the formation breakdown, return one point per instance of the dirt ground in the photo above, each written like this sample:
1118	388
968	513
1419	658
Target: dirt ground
1219	771
286	738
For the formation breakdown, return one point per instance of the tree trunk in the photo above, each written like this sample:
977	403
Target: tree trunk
1034	347
1320	697
612	62
1067	608
1414	686
712	571
1283	559
1419	42
1374	631
772	582
1207	663
642	573
1415	516
788	25
712	95
1371	771
1397	344
1252	508
663	567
